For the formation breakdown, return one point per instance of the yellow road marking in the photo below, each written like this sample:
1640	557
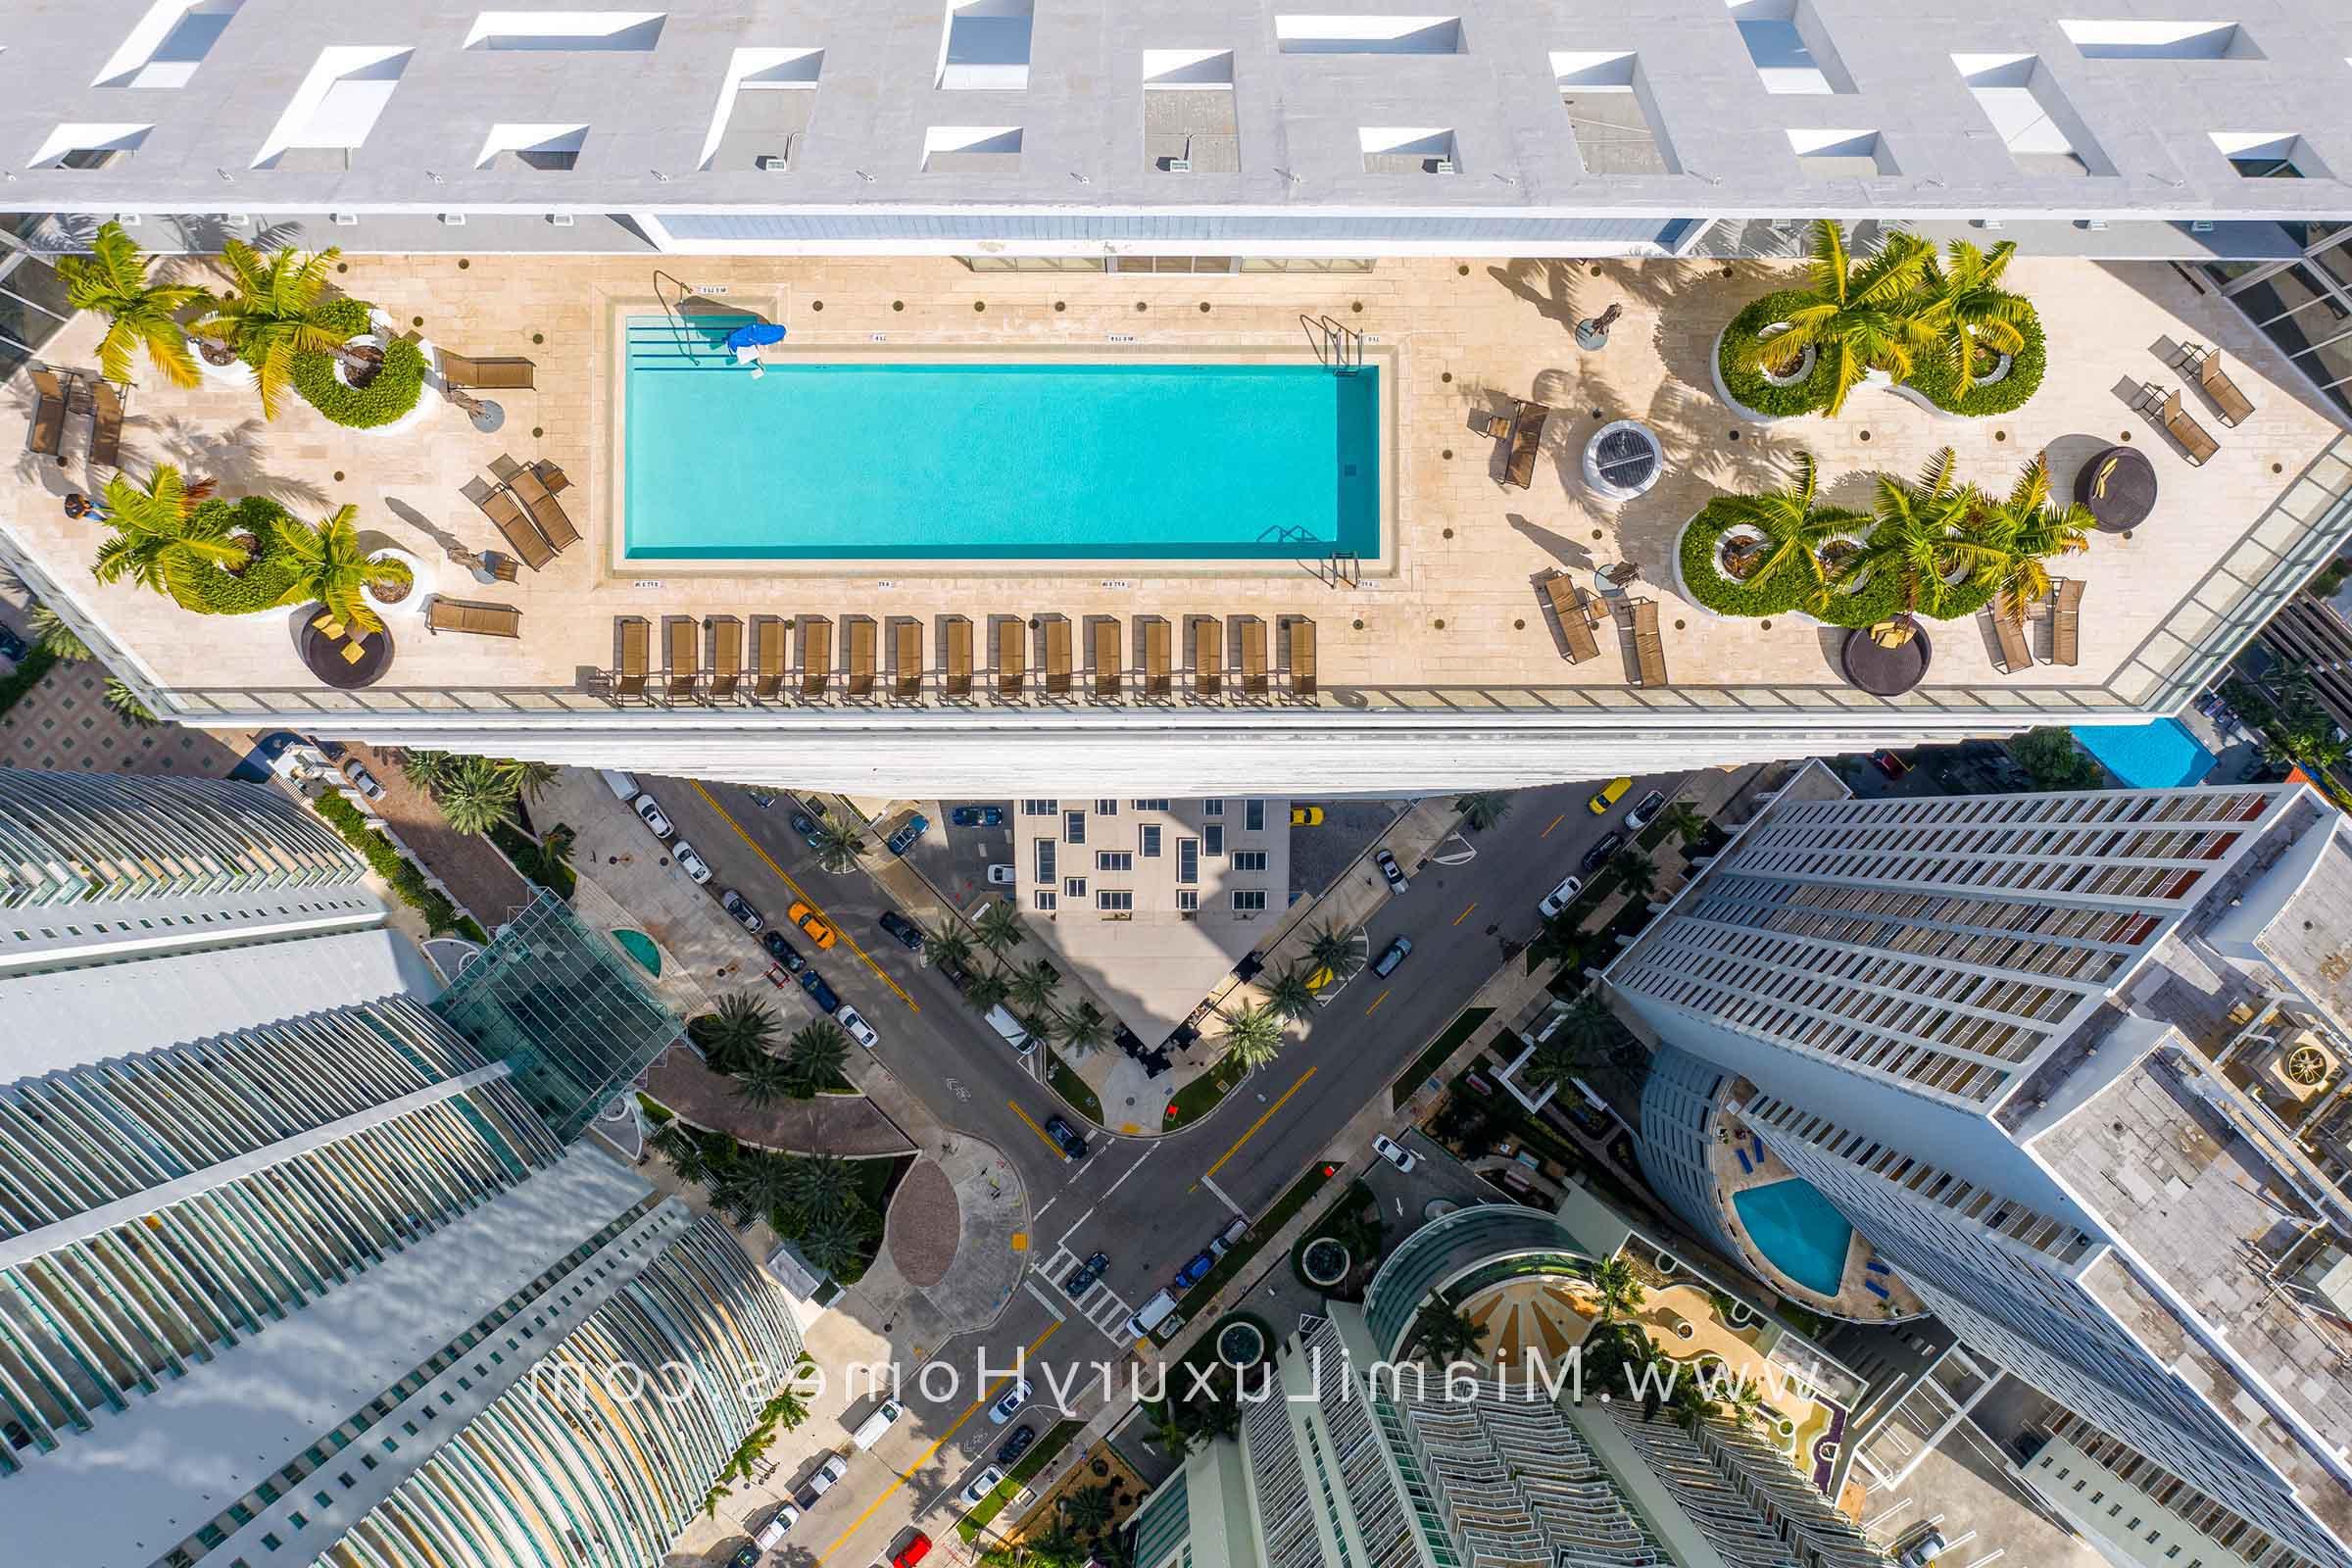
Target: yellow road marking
1465	914
900	1479
1255	1126
804	896
1383	996
1042	1136
1549	826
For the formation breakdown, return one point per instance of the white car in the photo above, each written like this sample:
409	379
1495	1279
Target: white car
982	1484
1002	876
1015	1398
690	863
860	1030
645	808
1560	898
1395	1153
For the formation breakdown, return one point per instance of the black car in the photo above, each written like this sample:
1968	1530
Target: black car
977	816
745	1556
910	934
1082	1278
820	993
783	952
1386	964
12	646
1606	845
956	975
805	826
1071	1140
1013	1446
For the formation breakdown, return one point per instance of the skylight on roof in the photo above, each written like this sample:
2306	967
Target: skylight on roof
1841	154
2030	114
2134	39
89	144
168	44
761	73
339	102
532	146
983	45
1791	49
570	32
1368	35
972	149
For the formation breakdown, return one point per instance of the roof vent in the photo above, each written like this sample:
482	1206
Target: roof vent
773	163
343	219
1180	166
452	219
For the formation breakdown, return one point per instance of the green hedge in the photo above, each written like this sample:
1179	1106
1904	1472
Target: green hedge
269	579
1876	599
1938	378
1735	361
441	916
394	391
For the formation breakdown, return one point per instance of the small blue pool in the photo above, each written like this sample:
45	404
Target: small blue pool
2161	755
834	456
1797	1231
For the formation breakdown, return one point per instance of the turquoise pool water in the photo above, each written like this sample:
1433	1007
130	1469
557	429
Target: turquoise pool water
637	945
942	458
2161	755
1798	1231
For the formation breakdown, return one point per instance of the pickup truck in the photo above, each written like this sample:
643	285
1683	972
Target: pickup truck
817	1484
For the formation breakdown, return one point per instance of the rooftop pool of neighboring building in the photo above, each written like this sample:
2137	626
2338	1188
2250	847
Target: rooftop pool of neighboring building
1798	1231
2158	756
1061	453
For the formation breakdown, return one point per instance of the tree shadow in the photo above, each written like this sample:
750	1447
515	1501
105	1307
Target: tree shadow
1571	556
449	542
1548	286
231	459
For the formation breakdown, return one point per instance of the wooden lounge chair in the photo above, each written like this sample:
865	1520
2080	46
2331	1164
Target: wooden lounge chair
1526	439
46	436
1299	633
861	657
2228	403
1575	615
683	667
1160	678
1057	658
1103	658
1253	657
513	525
480	620
726	657
1013	655
1649	648
2066	623
960	656
2180	424
629	679
546	510
106	424
907	660
502	374
2010	633
817	655
1209	656
767	656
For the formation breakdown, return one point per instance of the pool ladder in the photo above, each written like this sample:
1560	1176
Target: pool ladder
1340	348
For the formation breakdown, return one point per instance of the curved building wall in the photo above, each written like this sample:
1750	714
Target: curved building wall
1678	1109
1436	1255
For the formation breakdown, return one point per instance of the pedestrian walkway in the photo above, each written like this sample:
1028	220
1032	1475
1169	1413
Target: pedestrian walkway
1098	1304
468	865
849	1126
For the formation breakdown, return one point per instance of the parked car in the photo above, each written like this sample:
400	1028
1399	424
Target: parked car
1391	870
1012	1447
1196	1270
746	917
12	646
746	1555
362	780
1394	954
977	816
1011	1400
956	975
816	1485
1559	897
1645	810
812	925
650	813
1306	816
918	1548
771	1534
910	934
1222	1242
982	1484
1888	764
1071	1140
805	826
1606	845
1082	1278
690	863
1395	1153
1925	1550
1609	794
818	992
905	838
1002	876
783	952
860	1030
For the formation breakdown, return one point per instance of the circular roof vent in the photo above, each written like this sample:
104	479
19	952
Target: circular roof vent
1623	459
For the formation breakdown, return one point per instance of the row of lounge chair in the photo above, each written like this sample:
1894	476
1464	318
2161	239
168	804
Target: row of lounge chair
725	676
58	395
1580	621
2064	611
522	507
2230	405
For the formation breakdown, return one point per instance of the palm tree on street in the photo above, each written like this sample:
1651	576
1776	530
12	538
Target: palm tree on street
273	310
1484	808
946	948
162	538
531	780
475	796
426	769
833	1242
1091	1511
768	1081
1859	315
753	1187
1172	1434
683	1150
1637	875
332	565
1033	987
1252	1036
1683	820
987	990
1085	1030
1619	1289
820	1187
1336	951
1560	939
736	1033
50	630
141	315
817	1053
1000	928
1289	998
838	845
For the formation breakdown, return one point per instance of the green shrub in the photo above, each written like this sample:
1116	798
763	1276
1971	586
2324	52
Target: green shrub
393	392
440	915
1938	378
1735	361
1714	590
269	578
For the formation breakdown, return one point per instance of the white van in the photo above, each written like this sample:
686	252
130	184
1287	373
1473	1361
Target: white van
622	785
870	1431
1005	1024
1151	1315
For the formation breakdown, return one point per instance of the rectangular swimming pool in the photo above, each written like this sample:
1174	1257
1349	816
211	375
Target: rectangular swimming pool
833	454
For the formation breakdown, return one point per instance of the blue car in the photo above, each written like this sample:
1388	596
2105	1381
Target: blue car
977	816
903	839
820	993
12	646
1196	1271
805	826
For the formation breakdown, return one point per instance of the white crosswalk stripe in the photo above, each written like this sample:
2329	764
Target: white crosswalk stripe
1099	1306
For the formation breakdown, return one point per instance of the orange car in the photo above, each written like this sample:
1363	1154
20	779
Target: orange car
814	923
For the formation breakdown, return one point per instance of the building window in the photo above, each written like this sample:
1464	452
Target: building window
1188	899
1040	808
1045	860
1115	900
1147	840
1254	816
1188	860
1073	826
1212	808
1073	887
1046	899
1114	861
1107	807
1150	803
1214	837
1248	901
1248	860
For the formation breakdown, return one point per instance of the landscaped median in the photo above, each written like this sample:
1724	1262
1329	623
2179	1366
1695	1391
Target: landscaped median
1261	1230
1203	1095
1070	1087
1408	1082
1040	1453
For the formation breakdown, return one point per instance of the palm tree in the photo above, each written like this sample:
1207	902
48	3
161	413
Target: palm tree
1336	951
332	565
1085	1030
60	640
1967	307
1289	998
736	1034
946	948
162	538
125	702
817	1053
474	796
1742	1402
987	990
683	1150
1091	1511
426	769
838	845
1033	987
1917	541
1252	1036
821	1187
1560	939
2022	530
1637	875
1619	1289
139	313
531	780
1793	528
751	1188
273	312
1484	808
1000	928
765	1082
834	1243
1859	316
1684	821
1444	1335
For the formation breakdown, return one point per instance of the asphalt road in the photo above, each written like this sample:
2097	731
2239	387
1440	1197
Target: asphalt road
1149	1203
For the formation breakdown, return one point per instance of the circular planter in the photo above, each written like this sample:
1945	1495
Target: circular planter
1723	549
1325	1263
1240	1346
236	373
420	589
1761	398
1803	370
372	362
1623	459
